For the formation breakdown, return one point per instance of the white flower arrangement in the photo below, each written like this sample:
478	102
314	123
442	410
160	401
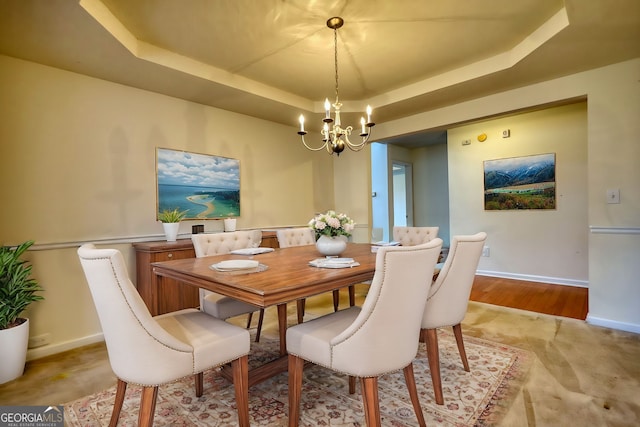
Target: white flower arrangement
332	224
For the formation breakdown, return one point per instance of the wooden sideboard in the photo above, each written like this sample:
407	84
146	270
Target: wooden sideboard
173	295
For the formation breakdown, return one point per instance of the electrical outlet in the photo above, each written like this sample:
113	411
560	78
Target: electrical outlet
486	251
506	133
613	196
39	340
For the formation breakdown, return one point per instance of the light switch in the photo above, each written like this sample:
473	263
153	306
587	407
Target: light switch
613	196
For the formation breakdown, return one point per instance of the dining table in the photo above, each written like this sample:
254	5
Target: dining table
282	276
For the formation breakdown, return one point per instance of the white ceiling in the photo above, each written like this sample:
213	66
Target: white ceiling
273	59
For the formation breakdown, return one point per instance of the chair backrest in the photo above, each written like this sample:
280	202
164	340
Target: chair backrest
222	243
300	236
139	349
449	296
209	244
384	336
410	236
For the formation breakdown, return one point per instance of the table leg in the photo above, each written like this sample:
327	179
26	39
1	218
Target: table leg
282	328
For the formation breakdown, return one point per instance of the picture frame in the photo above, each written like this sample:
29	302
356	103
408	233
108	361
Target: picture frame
520	183
204	186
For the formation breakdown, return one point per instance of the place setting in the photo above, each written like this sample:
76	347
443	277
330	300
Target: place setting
239	266
334	262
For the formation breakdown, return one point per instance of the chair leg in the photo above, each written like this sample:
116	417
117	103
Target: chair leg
296	365
457	331
117	405
199	380
433	356
249	318
336	299
240	368
370	400
410	379
352	296
260	319
147	406
300	307
352	384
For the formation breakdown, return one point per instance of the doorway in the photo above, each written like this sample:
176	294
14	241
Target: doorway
402	194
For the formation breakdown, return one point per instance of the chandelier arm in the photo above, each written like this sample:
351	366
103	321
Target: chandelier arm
357	146
353	146
326	143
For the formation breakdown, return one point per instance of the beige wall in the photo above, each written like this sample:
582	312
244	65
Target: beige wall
77	159
548	245
613	99
431	188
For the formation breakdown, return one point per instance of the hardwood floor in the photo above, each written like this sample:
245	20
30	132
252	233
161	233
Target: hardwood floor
558	300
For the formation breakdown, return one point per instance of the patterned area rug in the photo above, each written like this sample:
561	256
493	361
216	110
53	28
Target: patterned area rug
471	398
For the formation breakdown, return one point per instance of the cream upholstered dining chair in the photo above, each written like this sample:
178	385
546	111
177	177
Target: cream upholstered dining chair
302	236
409	236
150	351
217	305
298	236
377	338
448	300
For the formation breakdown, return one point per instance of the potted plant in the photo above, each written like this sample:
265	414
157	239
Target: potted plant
332	230
17	291
170	219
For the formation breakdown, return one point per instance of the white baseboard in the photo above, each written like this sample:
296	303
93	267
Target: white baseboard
612	324
533	278
48	350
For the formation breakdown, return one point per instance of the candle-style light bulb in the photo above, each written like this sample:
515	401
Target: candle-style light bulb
327	107
368	113
362	123
301	120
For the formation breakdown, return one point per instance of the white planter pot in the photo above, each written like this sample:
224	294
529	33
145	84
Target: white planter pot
13	351
229	224
331	246
171	230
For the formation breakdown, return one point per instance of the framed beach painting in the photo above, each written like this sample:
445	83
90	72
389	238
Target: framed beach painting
205	186
520	183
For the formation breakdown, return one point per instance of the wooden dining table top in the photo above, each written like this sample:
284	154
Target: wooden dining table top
287	276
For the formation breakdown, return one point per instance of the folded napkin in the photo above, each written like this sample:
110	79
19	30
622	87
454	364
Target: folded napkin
334	263
251	251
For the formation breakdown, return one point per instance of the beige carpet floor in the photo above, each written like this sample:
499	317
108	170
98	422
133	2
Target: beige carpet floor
580	375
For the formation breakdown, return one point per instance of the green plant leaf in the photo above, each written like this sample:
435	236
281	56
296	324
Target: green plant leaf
17	288
171	215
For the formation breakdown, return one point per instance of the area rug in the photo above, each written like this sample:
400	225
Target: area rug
475	398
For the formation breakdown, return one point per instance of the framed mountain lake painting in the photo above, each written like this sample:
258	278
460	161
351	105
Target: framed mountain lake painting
520	183
203	185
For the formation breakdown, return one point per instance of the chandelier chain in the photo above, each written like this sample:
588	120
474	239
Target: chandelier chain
335	53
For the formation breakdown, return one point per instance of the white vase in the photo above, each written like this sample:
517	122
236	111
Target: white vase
229	224
331	246
13	351
171	230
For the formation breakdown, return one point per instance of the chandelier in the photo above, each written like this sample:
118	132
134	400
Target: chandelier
335	138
